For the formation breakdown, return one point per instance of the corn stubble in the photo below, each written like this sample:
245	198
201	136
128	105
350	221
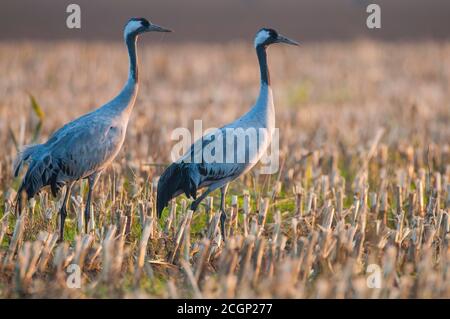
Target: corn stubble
364	180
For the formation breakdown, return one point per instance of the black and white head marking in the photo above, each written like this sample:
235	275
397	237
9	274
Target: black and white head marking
265	36
135	26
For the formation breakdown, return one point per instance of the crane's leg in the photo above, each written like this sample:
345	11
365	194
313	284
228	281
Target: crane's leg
197	202
223	215
63	211
223	185
21	198
92	180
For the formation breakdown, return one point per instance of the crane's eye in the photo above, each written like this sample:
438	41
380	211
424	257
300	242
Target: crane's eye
273	34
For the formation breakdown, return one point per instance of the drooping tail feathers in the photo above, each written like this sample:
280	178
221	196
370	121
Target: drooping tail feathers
42	170
23	157
177	178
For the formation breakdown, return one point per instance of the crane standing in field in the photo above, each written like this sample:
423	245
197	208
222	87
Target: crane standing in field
188	175
84	147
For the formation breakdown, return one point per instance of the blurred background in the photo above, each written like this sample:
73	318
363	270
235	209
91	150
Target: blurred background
227	20
360	111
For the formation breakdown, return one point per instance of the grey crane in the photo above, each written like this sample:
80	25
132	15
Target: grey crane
83	148
192	172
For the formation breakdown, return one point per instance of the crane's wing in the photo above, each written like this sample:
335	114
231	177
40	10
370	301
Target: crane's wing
72	153
218	157
196	169
226	149
209	155
83	149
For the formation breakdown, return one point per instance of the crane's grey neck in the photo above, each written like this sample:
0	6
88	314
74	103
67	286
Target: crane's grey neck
263	108
265	93
131	45
264	69
124	102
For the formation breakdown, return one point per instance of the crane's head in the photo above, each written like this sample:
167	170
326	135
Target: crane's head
136	26
265	37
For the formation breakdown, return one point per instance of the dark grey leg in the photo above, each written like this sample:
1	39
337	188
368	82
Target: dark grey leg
92	180
223	186
223	215
63	211
19	202
197	202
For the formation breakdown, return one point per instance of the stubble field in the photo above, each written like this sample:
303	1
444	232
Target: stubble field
361	199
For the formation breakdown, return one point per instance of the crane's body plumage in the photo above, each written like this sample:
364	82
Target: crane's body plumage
261	118
195	176
84	147
76	151
188	174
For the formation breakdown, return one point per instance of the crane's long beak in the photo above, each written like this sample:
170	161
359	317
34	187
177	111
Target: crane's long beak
283	39
157	28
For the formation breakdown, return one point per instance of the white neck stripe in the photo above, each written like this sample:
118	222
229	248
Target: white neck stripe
262	36
131	27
